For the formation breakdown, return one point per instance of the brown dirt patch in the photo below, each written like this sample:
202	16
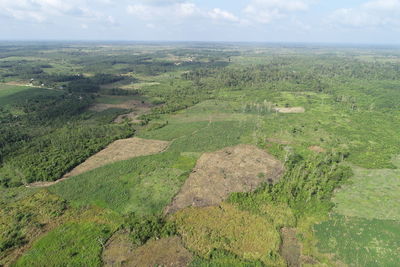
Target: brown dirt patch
317	149
117	249
234	169
290	110
163	252
290	248
119	150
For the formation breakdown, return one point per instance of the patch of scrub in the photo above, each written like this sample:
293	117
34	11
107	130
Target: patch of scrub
225	227
163	252
360	242
372	194
234	169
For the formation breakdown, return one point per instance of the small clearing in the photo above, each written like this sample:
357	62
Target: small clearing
119	150
317	149
240	168
290	110
290	248
163	252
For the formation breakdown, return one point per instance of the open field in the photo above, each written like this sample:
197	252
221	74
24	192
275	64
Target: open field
371	194
360	242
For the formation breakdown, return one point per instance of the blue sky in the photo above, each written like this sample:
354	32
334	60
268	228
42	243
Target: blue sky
339	21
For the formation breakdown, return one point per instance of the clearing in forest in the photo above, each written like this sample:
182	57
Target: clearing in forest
240	168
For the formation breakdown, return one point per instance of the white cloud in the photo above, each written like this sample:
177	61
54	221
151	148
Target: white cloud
177	11
156	12
217	14
265	11
374	13
42	10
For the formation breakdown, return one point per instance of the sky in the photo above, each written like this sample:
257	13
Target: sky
303	21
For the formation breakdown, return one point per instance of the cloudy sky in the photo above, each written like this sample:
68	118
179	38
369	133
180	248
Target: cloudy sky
331	21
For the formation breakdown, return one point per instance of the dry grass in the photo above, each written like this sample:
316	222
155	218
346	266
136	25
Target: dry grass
227	228
163	252
290	110
117	249
234	169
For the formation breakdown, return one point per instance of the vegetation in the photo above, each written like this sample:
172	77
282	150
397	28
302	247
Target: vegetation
339	192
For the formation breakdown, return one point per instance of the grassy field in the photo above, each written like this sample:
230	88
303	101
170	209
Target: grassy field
360	242
143	185
371	194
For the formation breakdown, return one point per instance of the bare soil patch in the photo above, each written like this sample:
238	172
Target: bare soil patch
290	110
290	248
117	249
163	252
240	168
317	149
119	150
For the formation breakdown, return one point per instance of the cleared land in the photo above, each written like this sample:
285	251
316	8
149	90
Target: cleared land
240	168
163	252
119	150
117	249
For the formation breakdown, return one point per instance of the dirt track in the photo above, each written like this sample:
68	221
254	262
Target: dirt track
234	169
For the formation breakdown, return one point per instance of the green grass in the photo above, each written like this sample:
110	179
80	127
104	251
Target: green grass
372	194
72	244
360	242
144	185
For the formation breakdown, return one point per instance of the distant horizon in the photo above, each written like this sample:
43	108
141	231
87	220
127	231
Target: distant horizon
94	41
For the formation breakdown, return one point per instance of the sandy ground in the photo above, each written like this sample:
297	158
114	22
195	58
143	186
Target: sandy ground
290	110
119	150
234	169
